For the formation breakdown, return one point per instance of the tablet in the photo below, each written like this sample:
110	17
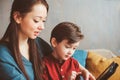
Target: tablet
108	71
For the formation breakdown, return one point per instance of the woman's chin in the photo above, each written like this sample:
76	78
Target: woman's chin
33	37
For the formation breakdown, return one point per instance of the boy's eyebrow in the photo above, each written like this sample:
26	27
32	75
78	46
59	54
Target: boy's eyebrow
70	44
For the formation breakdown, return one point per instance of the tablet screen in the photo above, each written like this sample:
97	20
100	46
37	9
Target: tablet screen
108	71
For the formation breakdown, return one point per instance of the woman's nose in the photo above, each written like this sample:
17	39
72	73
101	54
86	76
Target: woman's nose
41	27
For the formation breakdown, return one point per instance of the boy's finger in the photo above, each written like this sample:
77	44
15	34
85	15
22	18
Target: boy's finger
78	73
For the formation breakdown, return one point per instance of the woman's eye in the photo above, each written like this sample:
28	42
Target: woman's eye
36	21
44	21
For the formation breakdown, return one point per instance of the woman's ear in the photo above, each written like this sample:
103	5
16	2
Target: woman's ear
17	17
53	42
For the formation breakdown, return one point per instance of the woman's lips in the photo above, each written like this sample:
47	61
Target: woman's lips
36	33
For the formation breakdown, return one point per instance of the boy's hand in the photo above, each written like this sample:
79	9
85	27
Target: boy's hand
87	75
73	75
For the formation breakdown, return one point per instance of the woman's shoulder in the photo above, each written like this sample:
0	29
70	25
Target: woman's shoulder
8	66
4	49
5	54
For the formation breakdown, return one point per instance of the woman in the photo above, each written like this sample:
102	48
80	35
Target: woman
19	57
20	49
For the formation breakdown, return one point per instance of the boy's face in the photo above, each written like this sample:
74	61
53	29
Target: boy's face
64	50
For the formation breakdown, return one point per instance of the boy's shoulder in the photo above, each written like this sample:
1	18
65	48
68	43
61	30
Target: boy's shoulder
47	58
73	60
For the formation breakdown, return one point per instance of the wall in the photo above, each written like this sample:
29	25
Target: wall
4	15
98	19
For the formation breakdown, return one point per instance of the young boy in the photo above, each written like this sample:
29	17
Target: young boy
59	65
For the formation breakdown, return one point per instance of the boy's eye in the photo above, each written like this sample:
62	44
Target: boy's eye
67	46
74	48
71	47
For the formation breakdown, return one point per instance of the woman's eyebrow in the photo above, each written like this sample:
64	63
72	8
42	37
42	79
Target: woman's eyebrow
41	17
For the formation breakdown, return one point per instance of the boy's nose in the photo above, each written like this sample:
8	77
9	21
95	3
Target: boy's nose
70	52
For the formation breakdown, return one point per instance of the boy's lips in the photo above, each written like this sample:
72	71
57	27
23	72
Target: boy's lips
67	56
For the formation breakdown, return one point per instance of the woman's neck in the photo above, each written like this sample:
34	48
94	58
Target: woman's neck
24	47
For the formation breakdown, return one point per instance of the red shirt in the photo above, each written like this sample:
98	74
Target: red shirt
54	70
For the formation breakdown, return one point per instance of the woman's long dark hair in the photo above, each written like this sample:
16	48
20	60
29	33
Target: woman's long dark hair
12	37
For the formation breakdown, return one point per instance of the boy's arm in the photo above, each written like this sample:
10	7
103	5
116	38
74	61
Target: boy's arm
86	74
45	75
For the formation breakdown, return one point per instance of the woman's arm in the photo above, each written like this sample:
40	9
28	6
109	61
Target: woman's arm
9	72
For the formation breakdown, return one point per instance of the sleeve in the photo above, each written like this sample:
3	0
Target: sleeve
76	63
8	68
45	75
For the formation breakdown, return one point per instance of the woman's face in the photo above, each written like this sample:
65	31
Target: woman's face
33	22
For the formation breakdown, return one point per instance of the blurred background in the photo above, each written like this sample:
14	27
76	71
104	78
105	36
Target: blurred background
99	21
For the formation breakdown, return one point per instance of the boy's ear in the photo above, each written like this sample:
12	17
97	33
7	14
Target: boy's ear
17	17
53	42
